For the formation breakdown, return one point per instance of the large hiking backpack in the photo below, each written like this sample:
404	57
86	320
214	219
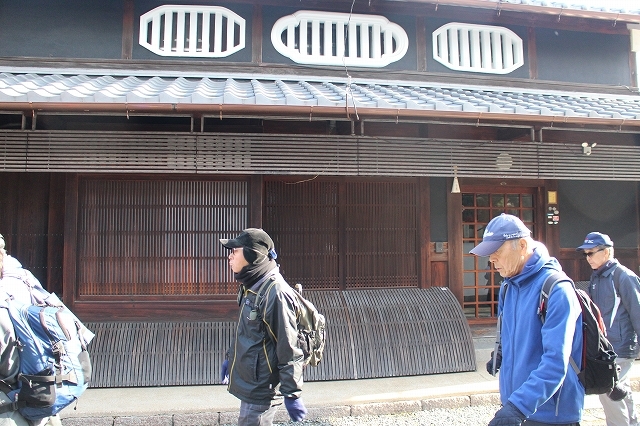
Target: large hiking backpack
311	325
55	368
599	373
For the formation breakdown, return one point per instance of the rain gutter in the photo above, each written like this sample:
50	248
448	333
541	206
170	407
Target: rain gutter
303	112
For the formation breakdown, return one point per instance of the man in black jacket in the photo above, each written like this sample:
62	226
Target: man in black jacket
264	362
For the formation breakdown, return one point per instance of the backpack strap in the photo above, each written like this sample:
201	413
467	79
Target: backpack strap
497	347
551	281
12	406
264	289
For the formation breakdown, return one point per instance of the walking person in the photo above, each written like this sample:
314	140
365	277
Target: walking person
10	269
615	289
264	363
537	384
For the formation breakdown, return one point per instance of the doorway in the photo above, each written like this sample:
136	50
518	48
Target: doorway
481	282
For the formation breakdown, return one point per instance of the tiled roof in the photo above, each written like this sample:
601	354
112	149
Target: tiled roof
307	91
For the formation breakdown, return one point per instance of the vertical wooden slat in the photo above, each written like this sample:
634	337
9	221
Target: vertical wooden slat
154	237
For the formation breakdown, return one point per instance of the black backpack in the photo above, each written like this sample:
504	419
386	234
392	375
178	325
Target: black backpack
599	373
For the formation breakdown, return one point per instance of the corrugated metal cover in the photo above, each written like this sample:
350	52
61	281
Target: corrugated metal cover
370	333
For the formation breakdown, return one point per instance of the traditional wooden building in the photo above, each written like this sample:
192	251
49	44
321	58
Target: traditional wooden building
372	139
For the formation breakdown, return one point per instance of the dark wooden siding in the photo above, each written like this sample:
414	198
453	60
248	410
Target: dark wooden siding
345	234
157	237
31	206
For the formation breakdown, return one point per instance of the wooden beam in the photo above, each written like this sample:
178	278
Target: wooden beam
454	230
421	43
256	35
532	49
256	201
70	248
424	232
127	29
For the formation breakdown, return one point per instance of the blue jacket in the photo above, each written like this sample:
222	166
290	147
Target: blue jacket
616	291
535	374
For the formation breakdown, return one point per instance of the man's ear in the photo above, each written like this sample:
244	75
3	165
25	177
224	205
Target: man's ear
523	244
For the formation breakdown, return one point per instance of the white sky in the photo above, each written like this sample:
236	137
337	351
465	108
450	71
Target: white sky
626	4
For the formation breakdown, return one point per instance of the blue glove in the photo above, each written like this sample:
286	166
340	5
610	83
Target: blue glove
296	409
224	372
508	415
498	363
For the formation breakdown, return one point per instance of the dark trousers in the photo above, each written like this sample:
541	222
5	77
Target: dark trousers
257	414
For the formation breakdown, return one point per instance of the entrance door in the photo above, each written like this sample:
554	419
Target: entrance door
481	281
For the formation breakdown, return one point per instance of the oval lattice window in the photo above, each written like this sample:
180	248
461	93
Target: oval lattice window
477	48
198	31
330	38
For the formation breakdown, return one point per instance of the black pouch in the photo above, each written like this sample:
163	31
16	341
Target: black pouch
38	390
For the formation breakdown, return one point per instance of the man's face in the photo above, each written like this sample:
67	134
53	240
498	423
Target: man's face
237	260
596	256
507	260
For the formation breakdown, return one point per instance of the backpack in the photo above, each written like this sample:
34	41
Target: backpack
311	325
599	373
55	368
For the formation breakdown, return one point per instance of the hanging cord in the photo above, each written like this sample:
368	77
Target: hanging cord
346	70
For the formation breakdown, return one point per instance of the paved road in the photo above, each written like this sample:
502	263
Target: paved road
468	416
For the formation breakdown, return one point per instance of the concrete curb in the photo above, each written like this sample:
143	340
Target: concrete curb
315	413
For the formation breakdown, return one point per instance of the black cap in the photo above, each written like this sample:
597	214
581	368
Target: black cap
254	239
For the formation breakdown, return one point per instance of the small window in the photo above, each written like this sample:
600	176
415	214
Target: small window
477	48
340	39
193	31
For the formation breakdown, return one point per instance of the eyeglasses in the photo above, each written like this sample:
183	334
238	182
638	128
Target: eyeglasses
591	253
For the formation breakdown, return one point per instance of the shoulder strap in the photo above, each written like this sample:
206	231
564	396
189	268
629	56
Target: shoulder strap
551	281
264	289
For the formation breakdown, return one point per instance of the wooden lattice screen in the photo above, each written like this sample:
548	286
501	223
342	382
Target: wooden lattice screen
345	234
157	237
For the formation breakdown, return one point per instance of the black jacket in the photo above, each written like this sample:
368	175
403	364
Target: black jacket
264	352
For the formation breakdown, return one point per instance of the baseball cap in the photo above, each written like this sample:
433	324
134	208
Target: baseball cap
254	239
595	239
500	229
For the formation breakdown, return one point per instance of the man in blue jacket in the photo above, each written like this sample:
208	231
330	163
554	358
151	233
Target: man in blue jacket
538	386
615	289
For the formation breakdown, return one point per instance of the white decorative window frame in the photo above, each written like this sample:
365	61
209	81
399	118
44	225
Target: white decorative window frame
372	41
478	48
190	29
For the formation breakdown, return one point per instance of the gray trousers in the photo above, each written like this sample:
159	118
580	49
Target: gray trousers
621	413
257	414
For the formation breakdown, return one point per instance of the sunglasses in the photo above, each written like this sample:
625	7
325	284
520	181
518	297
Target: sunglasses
591	253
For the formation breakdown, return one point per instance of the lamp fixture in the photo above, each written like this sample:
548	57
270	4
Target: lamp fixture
586	147
455	188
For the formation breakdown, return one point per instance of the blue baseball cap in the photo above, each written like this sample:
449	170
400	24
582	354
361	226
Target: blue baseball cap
595	239
500	229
